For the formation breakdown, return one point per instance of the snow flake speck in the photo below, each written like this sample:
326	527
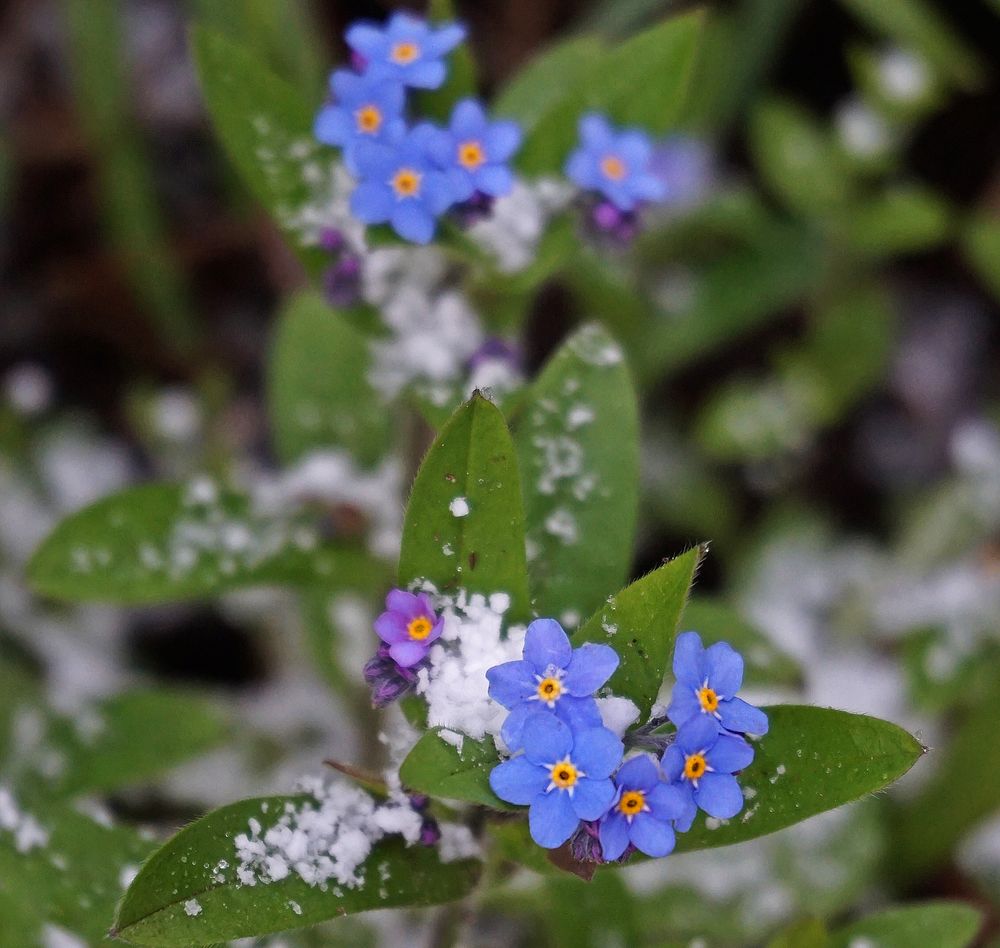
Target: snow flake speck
192	907
459	507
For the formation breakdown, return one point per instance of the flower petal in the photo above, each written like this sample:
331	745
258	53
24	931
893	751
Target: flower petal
467	119
545	643
495	180
580	714
719	795
639	773
333	126
580	169
730	754
412	221
390	627
669	801
405	603
443	40
595	131
684	822
366	38
589	668
672	762
407	654
428	74
737	715
684	704
650	836
597	752
512	729
725	669
699	734
593	798
546	738
502	139
518	781
371	202
511	683
687	659
613	835
551	819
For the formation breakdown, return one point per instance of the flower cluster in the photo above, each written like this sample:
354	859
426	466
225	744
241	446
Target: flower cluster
568	768
409	176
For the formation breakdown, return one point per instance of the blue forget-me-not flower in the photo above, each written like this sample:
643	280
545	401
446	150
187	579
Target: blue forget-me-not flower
406	49
364	108
563	776
707	682
704	760
399	185
614	163
643	812
553	675
476	151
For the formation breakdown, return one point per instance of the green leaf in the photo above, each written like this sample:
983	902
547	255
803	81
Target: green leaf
121	741
915	25
640	623
927	925
981	246
658	61
318	385
460	83
189	868
898	220
806	933
811	760
76	877
717	621
578	447
798	159
441	770
472	469
265	126
167	542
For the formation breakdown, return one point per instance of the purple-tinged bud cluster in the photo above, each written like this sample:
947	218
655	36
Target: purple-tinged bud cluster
342	278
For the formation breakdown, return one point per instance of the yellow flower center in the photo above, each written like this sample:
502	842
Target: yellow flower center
369	119
406	182
695	766
564	775
404	52
419	628
471	155
549	690
632	802
708	699
613	167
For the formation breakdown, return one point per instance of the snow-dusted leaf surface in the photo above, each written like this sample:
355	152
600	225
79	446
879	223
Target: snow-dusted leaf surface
318	389
72	865
167	542
270	864
811	760
640	624
578	448
464	525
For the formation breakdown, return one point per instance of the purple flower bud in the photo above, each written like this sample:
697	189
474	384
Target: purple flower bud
419	801
342	281
608	221
388	680
496	349
585	844
430	833
359	63
332	240
477	208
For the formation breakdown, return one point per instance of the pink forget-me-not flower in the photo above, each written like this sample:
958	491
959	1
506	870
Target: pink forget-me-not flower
409	626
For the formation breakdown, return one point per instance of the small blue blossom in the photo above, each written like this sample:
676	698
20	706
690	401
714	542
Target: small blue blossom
614	163
564	777
405	49
554	675
643	811
363	109
707	682
704	761
476	151
399	185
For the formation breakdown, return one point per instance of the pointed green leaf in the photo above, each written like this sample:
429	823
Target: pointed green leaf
168	542
464	525
318	385
805	933
811	760
185	896
927	925
578	448
640	623
265	126
441	770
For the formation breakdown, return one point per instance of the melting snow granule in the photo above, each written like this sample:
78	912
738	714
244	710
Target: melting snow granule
192	907
459	507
